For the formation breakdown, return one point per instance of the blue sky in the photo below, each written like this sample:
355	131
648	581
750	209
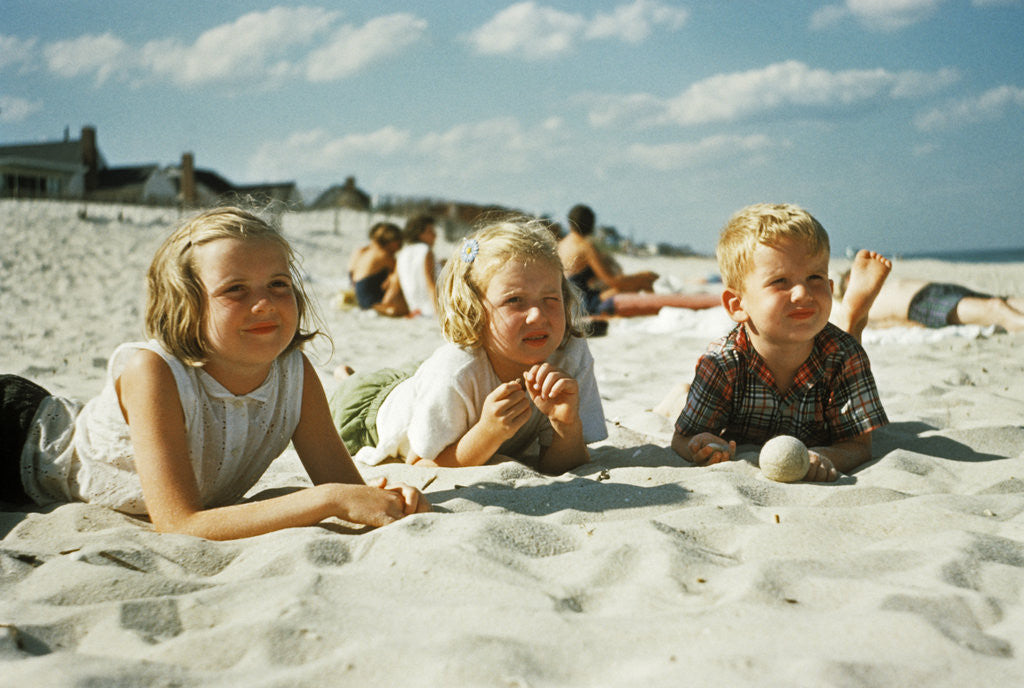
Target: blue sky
898	123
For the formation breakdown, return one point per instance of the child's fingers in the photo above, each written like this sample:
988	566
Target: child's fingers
708	449
414	501
821	470
508	389
718	456
550	382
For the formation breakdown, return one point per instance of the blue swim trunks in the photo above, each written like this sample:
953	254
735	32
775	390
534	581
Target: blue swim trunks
935	302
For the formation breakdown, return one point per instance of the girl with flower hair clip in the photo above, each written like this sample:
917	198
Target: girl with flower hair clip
515	378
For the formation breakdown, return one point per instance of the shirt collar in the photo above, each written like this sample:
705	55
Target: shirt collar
216	390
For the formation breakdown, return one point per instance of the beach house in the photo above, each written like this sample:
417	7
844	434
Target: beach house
75	169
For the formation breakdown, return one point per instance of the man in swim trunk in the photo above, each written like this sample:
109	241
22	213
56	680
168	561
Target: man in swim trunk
937	304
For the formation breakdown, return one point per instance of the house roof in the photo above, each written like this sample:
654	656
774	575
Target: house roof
58	155
123	176
213	181
347	195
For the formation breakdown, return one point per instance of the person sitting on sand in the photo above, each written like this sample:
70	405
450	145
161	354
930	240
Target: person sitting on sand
371	269
416	270
188	421
515	378
903	302
784	369
621	295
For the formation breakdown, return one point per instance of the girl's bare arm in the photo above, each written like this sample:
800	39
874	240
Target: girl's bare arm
152	408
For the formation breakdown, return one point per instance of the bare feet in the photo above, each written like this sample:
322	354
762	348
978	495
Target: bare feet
867	275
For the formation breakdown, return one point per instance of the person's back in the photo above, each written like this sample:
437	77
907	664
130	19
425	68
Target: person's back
371	268
415	265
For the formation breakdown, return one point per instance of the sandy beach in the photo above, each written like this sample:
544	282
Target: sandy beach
633	570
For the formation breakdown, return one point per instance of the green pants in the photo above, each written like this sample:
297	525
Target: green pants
354	405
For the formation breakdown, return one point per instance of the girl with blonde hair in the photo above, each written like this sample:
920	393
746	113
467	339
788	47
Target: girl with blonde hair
515	378
188	421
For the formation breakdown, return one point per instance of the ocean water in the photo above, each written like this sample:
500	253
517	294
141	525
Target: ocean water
988	255
982	255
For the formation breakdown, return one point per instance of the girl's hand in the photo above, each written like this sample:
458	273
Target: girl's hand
506	409
556	394
377	505
707	449
412	499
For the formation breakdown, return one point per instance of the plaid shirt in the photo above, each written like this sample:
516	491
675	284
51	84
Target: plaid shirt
833	396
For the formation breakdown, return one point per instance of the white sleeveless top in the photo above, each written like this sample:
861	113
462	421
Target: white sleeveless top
85	454
410	264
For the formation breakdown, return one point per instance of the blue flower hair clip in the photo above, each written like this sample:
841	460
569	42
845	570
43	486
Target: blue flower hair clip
470	247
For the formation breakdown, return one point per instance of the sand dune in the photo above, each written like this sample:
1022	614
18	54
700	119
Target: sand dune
635	569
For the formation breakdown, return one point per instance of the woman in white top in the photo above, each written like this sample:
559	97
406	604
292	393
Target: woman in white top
189	421
417	272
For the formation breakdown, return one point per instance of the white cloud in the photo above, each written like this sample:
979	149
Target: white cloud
317	152
528	30
499	145
912	84
16	51
467	152
270	46
876	15
740	95
14	109
989	106
633	23
673	156
104	56
828	16
352	48
610	110
535	32
253	46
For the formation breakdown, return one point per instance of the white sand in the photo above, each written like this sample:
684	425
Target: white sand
633	570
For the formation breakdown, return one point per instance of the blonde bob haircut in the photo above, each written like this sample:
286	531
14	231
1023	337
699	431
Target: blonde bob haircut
175	297
464	279
769	225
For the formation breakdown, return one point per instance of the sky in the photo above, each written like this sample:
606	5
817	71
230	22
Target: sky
898	123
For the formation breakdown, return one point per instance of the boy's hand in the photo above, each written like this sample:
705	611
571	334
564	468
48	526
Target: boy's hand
821	469
554	393
707	449
506	409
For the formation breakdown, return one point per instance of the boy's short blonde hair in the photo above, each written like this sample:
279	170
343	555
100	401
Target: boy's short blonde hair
464	279
175	297
767	224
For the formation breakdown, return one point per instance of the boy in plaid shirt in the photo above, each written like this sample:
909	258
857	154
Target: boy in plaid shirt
784	369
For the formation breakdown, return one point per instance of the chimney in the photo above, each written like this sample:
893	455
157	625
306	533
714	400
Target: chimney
90	157
188	181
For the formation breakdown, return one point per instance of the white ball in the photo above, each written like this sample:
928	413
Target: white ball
784	459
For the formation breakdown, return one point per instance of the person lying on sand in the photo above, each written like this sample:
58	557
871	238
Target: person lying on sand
515	376
909	302
621	295
188	422
784	369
